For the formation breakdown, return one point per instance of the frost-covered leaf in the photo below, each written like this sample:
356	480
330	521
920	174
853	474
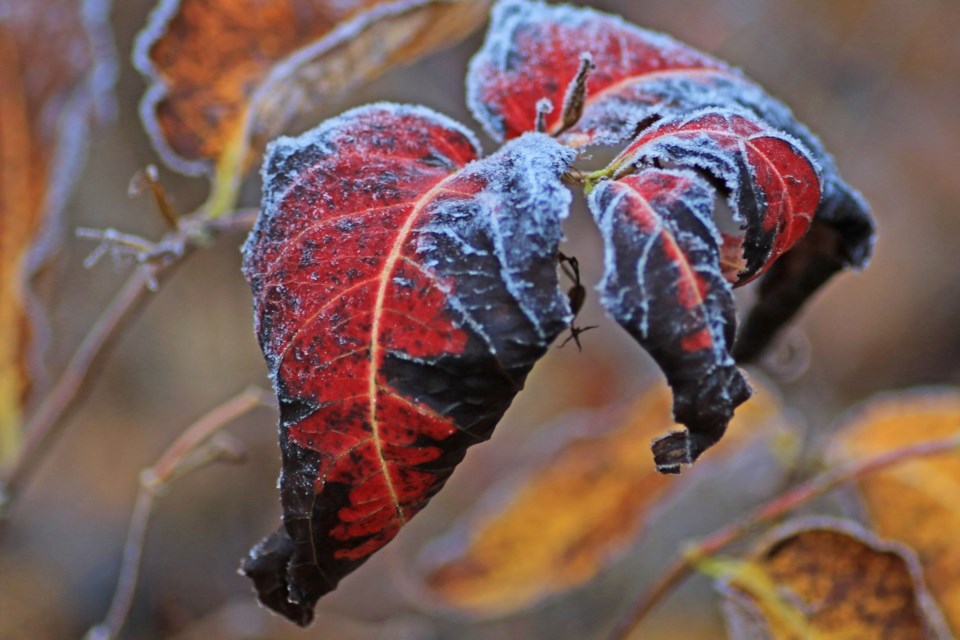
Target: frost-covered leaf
532	52
830	580
531	56
662	282
669	269
914	502
228	70
573	512
403	290
773	182
48	96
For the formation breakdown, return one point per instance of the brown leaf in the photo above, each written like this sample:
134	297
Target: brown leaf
573	514
224	71
47	94
915	502
826	579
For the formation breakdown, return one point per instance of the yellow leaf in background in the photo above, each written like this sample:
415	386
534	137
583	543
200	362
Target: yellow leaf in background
918	502
566	521
824	579
224	71
55	69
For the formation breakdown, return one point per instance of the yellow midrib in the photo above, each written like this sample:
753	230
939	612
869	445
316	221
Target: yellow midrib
388	267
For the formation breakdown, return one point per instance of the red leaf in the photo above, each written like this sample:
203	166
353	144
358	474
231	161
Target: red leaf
532	52
664	281
663	284
773	183
403	290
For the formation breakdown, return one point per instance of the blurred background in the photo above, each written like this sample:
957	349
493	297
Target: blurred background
878	80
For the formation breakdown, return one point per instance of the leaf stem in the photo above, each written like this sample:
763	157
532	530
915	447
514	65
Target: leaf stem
47	421
175	462
228	174
685	565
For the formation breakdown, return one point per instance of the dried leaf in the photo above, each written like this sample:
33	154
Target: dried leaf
826	580
571	516
223	72
403	290
47	97
914	502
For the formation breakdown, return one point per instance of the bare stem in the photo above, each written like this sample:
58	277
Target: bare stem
683	566
47	421
175	462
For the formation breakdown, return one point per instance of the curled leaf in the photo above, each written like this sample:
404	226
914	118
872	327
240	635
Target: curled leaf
48	97
562	522
668	271
913	502
226	76
826	579
532	54
605	81
773	182
403	290
662	282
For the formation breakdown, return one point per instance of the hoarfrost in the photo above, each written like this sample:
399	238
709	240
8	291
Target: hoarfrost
519	211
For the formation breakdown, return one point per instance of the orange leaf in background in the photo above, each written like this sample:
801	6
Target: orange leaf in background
825	579
566	521
56	69
918	502
225	71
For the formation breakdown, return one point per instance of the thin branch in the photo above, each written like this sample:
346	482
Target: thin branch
683	566
193	449
47	421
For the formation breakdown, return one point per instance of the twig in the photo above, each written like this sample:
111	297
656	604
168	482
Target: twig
193	449
782	504
47	421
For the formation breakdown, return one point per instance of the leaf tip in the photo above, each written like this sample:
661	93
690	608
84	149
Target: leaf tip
671	451
267	565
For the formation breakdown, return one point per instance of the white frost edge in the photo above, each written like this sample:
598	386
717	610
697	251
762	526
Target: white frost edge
275	188
606	222
537	174
766	131
507	15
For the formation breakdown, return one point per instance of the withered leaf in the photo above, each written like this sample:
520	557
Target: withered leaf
914	502
561	523
229	74
829	580
48	96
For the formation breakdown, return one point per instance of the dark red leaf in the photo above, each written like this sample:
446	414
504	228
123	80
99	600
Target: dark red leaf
533	53
773	185
669	269
663	284
403	290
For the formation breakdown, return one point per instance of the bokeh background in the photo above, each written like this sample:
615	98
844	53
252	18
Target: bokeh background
879	80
